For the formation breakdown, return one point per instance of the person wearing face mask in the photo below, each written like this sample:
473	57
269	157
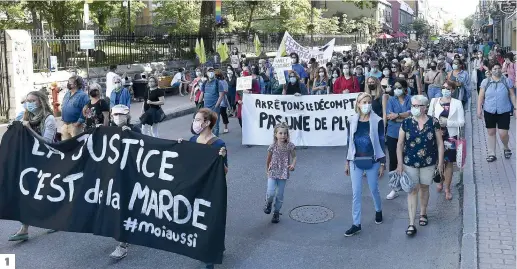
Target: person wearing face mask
265	74
39	119
120	94
398	108
481	67
111	77
334	79
365	155
374	71
231	79
320	82
96	112
387	76
298	68
379	97
360	77
495	100
179	81
152	113
450	115
212	94
195	85
329	68
120	118
445	65
509	69
434	78
347	83
294	85
72	110
461	78
420	151
203	133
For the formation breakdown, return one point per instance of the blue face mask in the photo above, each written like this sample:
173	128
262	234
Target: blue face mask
31	106
292	80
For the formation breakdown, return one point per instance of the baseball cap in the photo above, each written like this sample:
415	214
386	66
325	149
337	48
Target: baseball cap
210	68
120	109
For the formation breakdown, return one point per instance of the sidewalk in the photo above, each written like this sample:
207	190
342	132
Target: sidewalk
175	106
495	198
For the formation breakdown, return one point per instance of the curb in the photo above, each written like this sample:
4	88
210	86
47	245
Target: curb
169	115
469	249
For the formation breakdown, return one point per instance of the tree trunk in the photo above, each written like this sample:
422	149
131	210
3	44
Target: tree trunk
207	22
36	23
248	26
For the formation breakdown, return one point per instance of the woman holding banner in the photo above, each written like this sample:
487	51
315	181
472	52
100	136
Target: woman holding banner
365	156
295	85
202	126
320	82
38	117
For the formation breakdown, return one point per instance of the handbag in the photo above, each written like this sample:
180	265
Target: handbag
364	163
461	149
437	178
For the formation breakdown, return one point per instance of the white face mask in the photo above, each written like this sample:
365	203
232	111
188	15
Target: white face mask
366	108
322	74
455	66
120	120
386	73
334	75
397	92
293	61
415	111
210	74
446	93
198	74
374	69
346	71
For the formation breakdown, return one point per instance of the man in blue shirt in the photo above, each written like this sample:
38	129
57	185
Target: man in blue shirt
120	95
212	93
72	109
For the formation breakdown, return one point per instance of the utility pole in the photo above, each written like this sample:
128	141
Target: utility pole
312	23
129	33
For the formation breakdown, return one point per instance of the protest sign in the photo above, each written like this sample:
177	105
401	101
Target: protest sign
280	76
120	184
244	83
413	45
289	45
235	61
314	120
282	63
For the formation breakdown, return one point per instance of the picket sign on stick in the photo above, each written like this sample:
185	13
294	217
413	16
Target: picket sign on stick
280	76
314	120
244	83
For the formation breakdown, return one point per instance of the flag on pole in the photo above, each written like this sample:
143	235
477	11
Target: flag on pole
202	56
281	49
197	49
222	50
218	11
258	46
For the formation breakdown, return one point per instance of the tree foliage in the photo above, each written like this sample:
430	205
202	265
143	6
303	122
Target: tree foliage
421	27
363	4
468	22
448	26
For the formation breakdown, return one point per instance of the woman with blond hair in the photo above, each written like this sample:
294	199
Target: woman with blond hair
365	156
379	97
38	117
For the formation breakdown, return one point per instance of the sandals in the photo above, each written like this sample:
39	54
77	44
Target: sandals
411	232
423	221
491	158
507	153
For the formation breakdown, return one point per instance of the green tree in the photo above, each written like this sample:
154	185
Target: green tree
183	14
363	4
421	27
468	22
13	16
448	26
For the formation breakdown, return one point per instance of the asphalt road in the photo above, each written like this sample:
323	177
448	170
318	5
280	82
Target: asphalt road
254	242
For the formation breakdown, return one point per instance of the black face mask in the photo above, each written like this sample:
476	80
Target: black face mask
433	67
372	87
94	93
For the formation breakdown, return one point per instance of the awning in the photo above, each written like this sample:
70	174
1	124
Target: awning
386	26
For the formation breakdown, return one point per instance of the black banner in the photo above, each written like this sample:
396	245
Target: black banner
120	184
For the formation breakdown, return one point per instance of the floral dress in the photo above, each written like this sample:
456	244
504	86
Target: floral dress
420	146
450	146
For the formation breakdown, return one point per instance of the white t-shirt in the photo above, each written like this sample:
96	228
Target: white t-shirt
110	84
177	78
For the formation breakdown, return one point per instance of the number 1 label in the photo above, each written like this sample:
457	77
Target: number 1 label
7	261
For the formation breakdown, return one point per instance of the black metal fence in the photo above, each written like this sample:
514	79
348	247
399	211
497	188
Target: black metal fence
5	102
122	48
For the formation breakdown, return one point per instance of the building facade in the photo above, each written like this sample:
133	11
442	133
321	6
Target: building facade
382	12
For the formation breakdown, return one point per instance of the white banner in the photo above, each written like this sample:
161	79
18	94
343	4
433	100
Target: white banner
281	77
282	63
322	55
314	120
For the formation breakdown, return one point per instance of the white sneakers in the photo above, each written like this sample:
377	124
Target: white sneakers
392	195
120	252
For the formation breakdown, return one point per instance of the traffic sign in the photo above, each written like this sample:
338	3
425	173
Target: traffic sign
87	39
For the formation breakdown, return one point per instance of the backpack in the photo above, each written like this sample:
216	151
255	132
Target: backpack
490	81
216	85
